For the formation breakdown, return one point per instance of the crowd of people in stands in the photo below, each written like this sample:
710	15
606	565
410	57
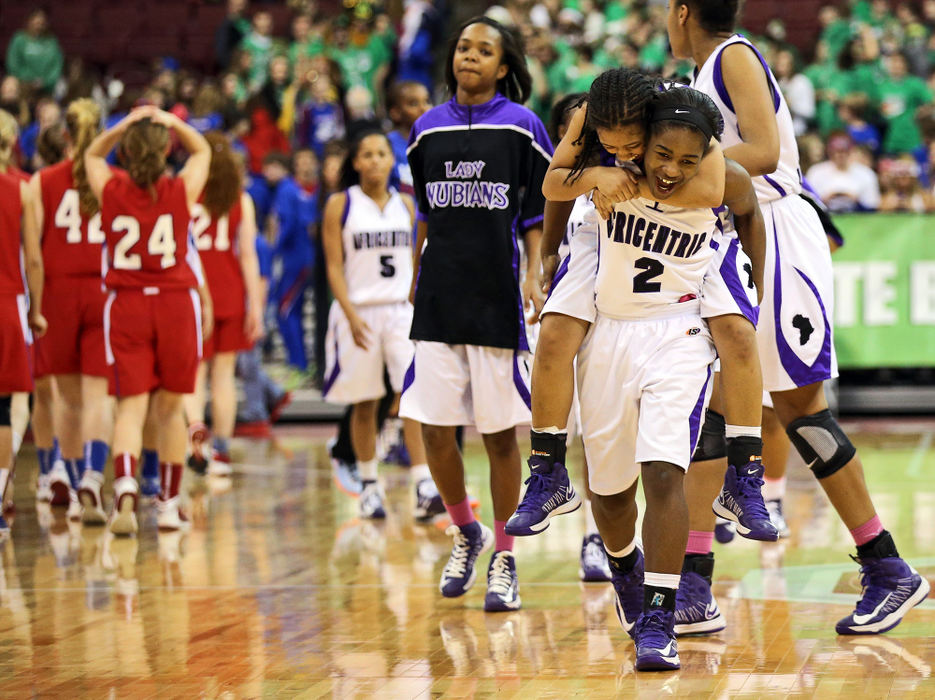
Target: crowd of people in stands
862	103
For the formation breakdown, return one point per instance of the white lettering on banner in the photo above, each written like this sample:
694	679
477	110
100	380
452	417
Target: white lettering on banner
922	293
879	294
847	276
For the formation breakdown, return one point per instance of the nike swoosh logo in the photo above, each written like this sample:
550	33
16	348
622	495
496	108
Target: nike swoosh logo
667	651
681	111
863	619
812	463
711	611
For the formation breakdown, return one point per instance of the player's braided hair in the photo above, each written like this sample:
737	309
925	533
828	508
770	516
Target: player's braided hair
617	97
516	85
83	121
143	151
715	15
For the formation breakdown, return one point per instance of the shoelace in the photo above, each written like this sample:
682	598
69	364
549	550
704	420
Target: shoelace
873	588
457	563
751	488
500	578
537	484
655	629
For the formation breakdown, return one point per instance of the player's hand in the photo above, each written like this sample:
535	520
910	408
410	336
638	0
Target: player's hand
533	295
603	204
37	323
360	330
549	266
253	325
617	184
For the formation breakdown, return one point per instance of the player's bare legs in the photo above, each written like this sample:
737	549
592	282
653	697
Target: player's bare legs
776	448
364	441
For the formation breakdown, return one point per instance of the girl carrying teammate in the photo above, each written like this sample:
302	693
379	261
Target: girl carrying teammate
18	232
224	231
644	369
477	164
157	309
794	334
72	352
367	238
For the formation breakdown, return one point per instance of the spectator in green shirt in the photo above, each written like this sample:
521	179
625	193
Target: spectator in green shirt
898	97
306	41
259	44
34	56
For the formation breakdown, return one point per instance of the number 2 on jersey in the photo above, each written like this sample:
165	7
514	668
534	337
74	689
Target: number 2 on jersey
651	268
201	220
161	242
68	216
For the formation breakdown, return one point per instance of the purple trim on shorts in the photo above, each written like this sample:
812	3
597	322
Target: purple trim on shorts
694	420
559	274
519	383
522	340
776	185
335	371
347	207
410	376
736	286
800	373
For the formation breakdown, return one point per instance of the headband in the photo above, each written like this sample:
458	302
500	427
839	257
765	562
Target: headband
686	114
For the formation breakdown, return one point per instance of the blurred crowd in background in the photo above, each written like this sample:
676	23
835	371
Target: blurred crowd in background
289	99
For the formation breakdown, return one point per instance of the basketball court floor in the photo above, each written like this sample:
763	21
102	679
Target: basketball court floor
279	590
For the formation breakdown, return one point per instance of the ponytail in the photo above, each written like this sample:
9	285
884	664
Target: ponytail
83	121
143	152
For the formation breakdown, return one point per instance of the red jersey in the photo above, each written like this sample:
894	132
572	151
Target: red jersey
216	241
71	242
16	173
11	210
147	240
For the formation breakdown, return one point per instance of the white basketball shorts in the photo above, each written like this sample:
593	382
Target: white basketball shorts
467	385
644	387
353	374
572	291
794	333
728	286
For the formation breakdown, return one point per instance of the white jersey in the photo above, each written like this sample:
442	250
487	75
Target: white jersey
377	248
576	220
652	259
787	179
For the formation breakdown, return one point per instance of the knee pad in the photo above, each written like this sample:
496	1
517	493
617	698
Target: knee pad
5	403
821	443
712	444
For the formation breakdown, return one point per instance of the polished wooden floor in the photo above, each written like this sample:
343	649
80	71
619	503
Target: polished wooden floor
280	591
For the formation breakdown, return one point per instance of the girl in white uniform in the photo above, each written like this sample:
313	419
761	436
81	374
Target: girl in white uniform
367	239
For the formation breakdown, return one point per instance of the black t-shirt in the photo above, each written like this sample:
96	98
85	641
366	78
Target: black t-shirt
477	173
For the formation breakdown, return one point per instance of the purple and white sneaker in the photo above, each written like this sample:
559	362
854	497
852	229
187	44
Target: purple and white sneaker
594	565
629	590
470	542
656	648
891	589
502	584
696	610
741	500
548	493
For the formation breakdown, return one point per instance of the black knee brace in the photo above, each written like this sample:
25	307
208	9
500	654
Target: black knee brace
5	402
711	443
821	443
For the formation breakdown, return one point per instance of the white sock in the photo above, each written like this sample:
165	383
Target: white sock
735	431
419	472
367	470
551	430
589	524
774	489
623	552
661	580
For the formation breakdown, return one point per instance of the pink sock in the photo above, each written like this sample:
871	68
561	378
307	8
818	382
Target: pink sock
867	531
461	513
699	542
503	540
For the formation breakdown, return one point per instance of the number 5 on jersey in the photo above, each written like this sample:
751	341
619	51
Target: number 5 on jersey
161	242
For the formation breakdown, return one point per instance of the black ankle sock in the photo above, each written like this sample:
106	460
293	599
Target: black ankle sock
881	547
658	597
701	564
624	564
741	450
549	446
